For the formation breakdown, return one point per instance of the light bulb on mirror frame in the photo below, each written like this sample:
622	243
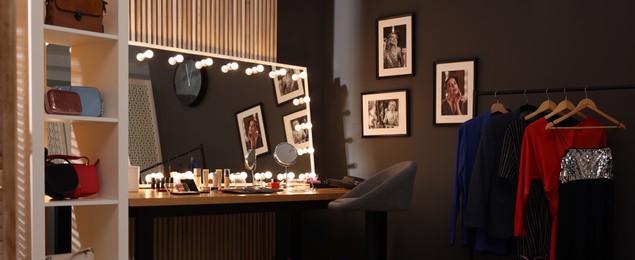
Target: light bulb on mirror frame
283	71
248	71
140	57
296	101
198	65
294	77
224	69
306	99
272	74
148	177
303	74
148	54
308	125
209	61
179	58
234	66
260	68
310	150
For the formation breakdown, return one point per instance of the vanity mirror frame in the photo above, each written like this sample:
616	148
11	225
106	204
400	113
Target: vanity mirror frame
268	66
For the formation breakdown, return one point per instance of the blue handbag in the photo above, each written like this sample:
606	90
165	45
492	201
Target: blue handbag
92	104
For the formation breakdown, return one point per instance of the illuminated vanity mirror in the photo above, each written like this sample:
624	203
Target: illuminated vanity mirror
181	99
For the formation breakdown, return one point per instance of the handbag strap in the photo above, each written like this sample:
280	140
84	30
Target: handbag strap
69	157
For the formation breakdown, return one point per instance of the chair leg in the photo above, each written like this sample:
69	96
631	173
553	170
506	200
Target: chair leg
376	233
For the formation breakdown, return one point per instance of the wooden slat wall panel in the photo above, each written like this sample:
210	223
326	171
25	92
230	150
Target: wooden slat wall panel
227	236
241	28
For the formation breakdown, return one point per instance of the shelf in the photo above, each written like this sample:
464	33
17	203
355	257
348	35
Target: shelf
78	119
79	202
73	37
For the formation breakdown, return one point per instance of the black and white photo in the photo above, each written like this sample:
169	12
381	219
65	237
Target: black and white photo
287	83
251	129
394	46
296	128
454	91
385	113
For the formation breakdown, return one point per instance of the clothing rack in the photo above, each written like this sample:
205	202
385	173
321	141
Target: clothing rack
547	91
200	147
552	90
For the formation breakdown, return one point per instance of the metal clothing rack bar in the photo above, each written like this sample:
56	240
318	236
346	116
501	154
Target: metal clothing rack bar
553	90
179	156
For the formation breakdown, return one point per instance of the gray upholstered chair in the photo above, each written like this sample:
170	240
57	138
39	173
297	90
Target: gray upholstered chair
387	190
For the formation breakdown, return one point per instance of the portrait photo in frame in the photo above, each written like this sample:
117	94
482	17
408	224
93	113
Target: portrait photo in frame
395	46
385	113
296	129
251	128
454	86
286	87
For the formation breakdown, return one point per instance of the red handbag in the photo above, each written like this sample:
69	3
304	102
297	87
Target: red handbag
86	173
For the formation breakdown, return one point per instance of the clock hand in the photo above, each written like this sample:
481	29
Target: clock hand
188	75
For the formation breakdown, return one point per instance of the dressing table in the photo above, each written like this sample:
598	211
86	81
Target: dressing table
146	205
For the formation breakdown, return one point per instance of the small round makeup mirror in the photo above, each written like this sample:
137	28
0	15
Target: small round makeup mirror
285	154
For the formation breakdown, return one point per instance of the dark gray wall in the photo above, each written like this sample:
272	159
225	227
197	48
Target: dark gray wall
518	45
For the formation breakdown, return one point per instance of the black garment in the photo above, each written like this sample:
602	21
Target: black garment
586	220
585	206
536	214
491	200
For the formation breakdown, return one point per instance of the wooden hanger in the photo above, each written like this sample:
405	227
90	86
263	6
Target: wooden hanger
565	104
562	106
586	103
546	105
497	107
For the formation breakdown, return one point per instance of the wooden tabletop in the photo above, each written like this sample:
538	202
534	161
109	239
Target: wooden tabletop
150	197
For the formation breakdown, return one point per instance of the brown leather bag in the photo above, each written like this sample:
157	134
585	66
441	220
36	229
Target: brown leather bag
78	14
62	102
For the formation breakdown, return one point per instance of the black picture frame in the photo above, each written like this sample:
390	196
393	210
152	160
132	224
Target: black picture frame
395	45
243	119
385	113
461	74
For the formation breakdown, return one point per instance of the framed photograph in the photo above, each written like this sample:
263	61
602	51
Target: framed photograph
385	113
395	46
454	100
286	87
295	129
251	128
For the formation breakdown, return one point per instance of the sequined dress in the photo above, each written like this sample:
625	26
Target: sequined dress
586	228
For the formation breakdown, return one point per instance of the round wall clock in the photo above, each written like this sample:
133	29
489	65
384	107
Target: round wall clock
189	82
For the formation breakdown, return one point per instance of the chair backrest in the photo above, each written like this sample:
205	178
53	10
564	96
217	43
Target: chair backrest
387	190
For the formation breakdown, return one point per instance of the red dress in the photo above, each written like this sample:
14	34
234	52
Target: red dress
540	159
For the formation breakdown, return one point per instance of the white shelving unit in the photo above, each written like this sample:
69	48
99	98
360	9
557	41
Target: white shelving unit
99	60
